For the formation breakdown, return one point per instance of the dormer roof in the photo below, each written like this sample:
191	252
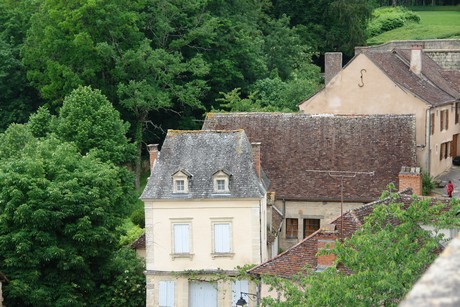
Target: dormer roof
204	154
182	171
222	171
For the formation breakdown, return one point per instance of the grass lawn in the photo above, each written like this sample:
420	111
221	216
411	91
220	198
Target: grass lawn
433	24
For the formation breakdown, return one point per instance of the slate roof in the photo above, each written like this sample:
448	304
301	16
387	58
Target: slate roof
302	256
432	85
201	154
293	144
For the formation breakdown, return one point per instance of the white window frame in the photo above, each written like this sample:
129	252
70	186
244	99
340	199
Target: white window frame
227	249
166	293
180	179
179	252
218	176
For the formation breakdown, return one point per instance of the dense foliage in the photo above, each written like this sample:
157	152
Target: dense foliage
386	257
164	63
62	201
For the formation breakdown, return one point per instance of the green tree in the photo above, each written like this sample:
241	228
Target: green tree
89	120
124	280
386	257
58	216
330	25
76	43
155	80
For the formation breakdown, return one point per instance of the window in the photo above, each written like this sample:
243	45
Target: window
202	293
221	185
221	181
181	238
310	226
292	228
180	185
166	293
222	238
445	151
444	120
180	181
432	123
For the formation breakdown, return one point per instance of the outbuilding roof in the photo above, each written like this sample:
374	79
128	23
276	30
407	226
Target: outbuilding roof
295	146
433	85
200	154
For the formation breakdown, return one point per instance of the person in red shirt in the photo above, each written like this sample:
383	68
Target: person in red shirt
450	188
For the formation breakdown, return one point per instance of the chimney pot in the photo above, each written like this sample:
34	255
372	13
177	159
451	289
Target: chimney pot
153	153
256	156
416	59
332	65
326	238
411	177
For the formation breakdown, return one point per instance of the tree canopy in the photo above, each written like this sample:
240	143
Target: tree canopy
58	216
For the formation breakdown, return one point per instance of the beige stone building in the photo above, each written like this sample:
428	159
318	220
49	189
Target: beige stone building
320	165
382	80
205	215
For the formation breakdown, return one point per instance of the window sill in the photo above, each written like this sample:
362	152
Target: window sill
174	256
222	255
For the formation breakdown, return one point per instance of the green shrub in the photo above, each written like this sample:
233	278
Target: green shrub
137	217
388	18
427	183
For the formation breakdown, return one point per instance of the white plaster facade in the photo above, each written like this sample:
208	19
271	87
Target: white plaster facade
248	237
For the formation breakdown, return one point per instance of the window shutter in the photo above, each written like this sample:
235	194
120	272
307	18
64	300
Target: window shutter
447	119
222	238
181	239
442	121
166	293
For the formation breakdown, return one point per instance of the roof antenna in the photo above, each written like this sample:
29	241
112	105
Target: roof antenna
341	175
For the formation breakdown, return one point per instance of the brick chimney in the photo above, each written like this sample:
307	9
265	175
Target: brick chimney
416	59
411	177
326	238
332	65
256	156
153	153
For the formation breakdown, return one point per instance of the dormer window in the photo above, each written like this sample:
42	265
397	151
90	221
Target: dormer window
181	181
221	182
180	185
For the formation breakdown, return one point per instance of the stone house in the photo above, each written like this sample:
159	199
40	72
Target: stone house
205	215
321	165
399	79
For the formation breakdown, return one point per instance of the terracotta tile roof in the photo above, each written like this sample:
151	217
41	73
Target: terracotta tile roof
453	77
139	243
303	255
293	144
431	85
